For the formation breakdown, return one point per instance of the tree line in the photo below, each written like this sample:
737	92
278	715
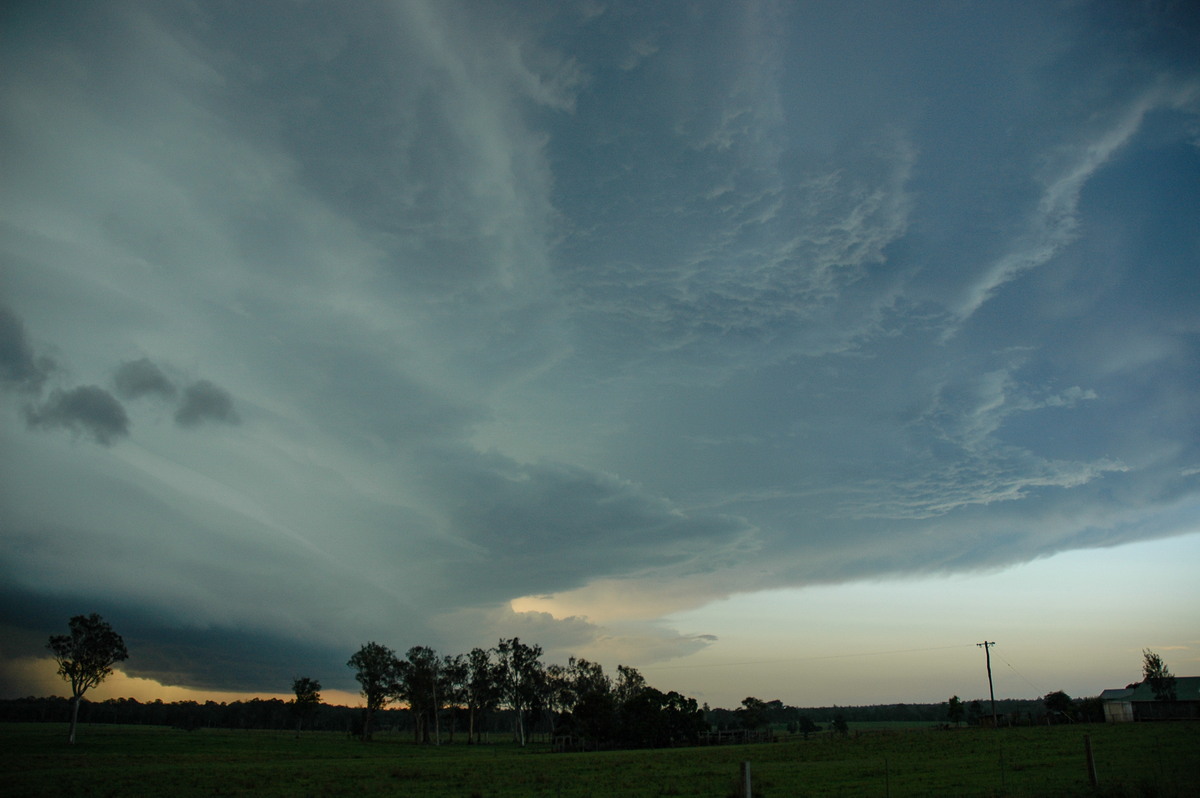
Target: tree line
280	715
578	703
255	713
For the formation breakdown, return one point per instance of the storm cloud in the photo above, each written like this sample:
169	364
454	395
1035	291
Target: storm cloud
138	378
202	401
413	314
20	367
88	410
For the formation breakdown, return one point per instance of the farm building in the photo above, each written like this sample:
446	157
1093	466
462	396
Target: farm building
1139	702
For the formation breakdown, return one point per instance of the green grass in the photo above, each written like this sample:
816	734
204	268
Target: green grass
1144	760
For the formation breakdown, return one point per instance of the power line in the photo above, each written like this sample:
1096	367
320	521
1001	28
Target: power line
799	659
1014	670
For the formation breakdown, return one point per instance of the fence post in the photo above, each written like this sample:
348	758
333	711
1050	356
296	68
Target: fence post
1091	760
747	790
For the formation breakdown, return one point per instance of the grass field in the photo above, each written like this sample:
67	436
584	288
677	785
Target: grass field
1143	760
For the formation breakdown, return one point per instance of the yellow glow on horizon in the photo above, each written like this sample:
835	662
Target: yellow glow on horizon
39	678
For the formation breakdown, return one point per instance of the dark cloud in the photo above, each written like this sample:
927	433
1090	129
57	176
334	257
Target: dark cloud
20	367
137	378
88	409
234	659
204	401
175	653
549	526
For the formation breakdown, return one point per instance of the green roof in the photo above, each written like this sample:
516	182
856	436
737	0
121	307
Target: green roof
1187	688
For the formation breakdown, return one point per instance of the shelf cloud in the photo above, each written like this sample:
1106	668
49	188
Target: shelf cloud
320	325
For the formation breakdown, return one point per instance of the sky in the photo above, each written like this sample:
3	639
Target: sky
776	349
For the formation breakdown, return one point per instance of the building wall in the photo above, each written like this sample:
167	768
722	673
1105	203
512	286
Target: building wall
1166	710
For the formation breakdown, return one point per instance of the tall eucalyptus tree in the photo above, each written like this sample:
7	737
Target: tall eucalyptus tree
378	672
85	657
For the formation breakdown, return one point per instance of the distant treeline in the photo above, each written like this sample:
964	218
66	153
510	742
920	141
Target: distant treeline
277	714
256	713
782	716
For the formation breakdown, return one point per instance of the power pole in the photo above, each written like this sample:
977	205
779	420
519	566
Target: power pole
986	645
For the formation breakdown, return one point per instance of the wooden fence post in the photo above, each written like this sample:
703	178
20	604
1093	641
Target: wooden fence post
747	790
1091	760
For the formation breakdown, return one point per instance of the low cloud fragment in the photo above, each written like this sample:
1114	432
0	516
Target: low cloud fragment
88	409
20	368
203	401
138	378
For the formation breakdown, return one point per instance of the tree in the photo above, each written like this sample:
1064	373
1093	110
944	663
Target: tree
580	697
806	726
1058	703
588	678
378	671
1154	671
418	686
85	657
520	679
560	695
428	684
654	719
753	713
630	682
308	698
1090	710
482	687
453	676
955	710
839	724
594	706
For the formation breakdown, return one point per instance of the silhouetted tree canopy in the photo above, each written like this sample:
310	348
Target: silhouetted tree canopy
1057	702
521	680
308	698
378	672
85	657
955	710
753	713
1154	671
